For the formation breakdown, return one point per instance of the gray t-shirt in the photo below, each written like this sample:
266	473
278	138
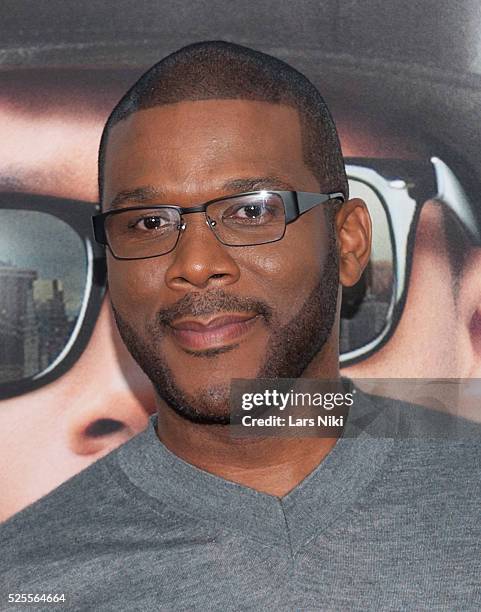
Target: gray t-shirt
389	520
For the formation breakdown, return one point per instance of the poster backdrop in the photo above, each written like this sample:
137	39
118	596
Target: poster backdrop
403	82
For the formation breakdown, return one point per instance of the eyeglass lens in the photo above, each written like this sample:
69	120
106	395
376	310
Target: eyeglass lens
43	278
238	221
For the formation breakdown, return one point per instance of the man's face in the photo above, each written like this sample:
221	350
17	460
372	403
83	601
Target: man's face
206	313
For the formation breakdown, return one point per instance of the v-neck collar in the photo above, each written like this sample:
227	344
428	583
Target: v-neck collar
291	520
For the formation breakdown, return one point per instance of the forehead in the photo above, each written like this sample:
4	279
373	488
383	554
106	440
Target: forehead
209	137
200	117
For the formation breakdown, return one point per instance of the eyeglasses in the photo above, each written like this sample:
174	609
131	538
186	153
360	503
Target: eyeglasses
245	219
52	281
395	192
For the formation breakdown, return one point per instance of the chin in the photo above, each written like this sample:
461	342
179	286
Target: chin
214	368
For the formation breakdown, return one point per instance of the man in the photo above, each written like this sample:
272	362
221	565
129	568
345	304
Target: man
183	516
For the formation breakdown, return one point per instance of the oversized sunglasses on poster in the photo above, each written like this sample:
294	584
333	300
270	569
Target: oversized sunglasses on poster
52	282
52	271
395	192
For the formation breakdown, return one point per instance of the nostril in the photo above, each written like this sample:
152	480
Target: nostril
99	436
103	427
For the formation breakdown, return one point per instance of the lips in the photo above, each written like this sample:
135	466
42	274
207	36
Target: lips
217	332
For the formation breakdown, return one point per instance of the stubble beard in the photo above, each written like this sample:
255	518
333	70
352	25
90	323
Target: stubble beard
290	350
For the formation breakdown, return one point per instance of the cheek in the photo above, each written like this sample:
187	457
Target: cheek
426	335
289	269
430	309
132	284
306	248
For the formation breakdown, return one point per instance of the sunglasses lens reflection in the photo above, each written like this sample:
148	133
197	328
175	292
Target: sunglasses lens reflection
365	306
43	276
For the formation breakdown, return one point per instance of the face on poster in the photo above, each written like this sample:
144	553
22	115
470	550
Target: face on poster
51	122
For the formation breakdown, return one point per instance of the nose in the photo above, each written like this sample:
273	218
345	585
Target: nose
117	399
200	260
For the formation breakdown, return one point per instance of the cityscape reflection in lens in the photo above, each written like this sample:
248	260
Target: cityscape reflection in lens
43	273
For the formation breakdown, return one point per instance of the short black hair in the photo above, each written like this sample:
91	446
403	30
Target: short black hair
223	70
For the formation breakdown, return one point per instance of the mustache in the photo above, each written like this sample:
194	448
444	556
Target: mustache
212	302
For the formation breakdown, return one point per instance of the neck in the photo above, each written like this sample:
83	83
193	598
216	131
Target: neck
271	465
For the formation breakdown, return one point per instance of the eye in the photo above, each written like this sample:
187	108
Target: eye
253	213
150	223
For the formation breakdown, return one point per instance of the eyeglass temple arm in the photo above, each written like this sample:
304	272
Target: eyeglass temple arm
454	197
99	229
306	201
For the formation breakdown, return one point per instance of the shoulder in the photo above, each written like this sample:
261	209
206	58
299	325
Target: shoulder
427	445
434	461
75	500
406	420
427	486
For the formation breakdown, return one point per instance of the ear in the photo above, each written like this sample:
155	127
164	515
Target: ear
354	230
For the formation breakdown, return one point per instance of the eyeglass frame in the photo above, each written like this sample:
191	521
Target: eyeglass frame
295	203
77	215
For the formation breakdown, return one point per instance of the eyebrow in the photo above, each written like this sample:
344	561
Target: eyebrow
138	195
147	193
10	182
255	183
